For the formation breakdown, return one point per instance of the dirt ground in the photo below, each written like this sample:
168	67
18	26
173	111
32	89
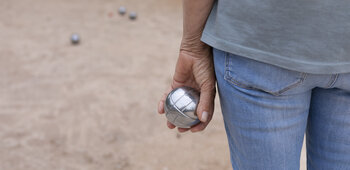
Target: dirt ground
93	106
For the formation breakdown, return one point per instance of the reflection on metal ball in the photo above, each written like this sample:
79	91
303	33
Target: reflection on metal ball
180	107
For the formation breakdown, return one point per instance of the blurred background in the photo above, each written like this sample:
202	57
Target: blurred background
94	105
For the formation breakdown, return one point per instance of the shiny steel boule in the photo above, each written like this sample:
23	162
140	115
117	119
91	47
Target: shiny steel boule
75	39
122	10
180	107
133	15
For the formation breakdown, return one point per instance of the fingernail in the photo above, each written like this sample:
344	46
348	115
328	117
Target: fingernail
160	107
204	116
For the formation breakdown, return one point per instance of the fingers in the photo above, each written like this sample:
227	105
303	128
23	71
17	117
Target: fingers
170	125
181	130
205	107
162	100
200	127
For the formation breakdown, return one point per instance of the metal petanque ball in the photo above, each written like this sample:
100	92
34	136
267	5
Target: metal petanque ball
75	39
133	15
122	10
180	107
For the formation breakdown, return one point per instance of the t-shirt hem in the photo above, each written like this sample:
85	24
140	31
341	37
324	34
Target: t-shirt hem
273	59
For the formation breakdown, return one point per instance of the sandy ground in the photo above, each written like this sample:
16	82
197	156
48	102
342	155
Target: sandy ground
93	106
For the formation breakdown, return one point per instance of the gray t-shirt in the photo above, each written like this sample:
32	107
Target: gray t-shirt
310	36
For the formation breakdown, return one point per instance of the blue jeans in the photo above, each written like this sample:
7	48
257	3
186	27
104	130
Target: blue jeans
267	110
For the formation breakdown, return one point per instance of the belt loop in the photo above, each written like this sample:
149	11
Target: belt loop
332	82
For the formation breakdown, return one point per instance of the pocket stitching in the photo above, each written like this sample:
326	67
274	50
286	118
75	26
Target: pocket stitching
230	78
294	84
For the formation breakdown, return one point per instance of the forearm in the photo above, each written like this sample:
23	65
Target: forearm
195	14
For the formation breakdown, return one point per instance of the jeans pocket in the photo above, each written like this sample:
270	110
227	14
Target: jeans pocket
250	74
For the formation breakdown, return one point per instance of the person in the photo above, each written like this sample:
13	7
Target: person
282	70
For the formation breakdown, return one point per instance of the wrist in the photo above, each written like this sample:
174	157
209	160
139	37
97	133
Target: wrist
193	44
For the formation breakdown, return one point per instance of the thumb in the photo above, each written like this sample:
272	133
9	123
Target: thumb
205	107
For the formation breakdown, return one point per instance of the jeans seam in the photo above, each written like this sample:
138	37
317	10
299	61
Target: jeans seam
332	81
228	77
303	77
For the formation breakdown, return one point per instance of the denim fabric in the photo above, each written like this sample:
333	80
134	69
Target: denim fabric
268	109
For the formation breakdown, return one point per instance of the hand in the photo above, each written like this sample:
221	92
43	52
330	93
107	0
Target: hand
195	69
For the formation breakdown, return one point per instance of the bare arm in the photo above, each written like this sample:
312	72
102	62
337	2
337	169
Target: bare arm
194	67
195	14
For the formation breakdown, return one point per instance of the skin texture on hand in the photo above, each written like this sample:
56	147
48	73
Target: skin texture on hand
196	70
194	67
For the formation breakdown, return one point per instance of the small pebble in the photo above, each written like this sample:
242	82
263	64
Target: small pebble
132	15
178	136
75	39
122	10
